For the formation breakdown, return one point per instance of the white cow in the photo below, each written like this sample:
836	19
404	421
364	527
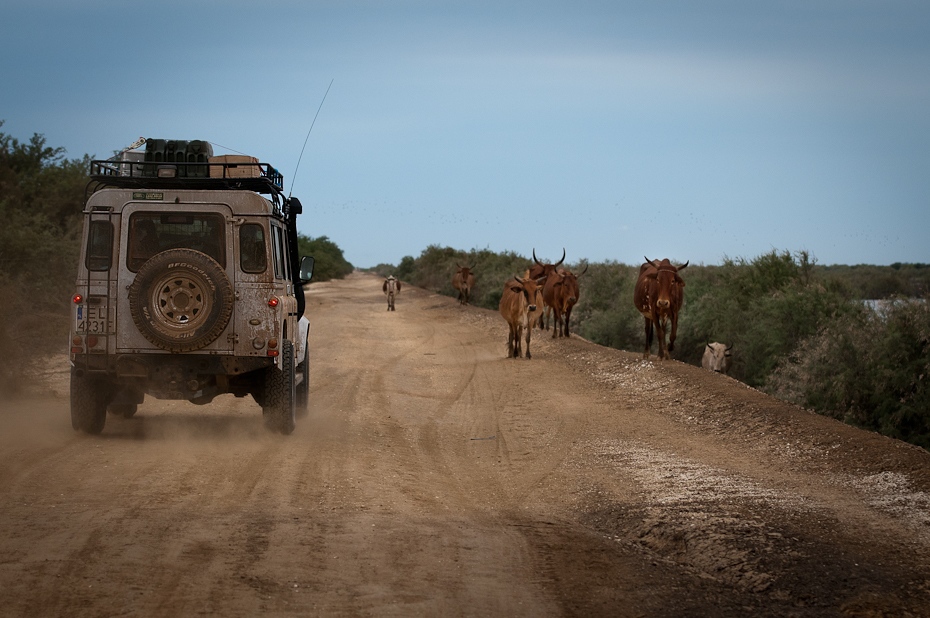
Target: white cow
717	357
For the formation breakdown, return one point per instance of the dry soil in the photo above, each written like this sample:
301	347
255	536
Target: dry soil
435	477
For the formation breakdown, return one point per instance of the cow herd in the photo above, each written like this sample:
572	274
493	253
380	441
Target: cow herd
546	290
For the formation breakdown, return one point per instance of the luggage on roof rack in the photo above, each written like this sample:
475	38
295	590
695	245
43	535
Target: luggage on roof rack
184	164
171	151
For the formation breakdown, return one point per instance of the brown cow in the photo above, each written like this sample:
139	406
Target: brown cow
538	270
534	315
519	304
561	293
659	295
463	281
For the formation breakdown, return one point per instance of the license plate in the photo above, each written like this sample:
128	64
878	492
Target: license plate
92	320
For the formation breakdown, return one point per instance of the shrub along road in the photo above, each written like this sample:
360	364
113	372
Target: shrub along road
434	476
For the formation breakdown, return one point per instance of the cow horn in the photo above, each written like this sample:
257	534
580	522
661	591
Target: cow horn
519	279
650	262
563	257
584	271
685	265
730	348
535	259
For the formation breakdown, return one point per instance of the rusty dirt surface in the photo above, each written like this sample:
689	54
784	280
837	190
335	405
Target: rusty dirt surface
435	477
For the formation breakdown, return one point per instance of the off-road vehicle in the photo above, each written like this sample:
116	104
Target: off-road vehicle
189	286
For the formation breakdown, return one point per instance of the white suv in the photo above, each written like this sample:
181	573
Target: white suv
189	286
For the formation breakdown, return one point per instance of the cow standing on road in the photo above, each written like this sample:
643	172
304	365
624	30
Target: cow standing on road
534	312
538	270
659	295
520	302
717	357
463	281
391	287
561	293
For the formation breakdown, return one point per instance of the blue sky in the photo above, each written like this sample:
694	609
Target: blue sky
689	130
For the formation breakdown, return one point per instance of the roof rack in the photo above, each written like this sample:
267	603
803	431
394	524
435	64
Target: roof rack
233	174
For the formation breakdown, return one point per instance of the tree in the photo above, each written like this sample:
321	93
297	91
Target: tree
329	262
870	369
41	197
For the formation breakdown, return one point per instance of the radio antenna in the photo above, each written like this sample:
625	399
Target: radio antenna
294	177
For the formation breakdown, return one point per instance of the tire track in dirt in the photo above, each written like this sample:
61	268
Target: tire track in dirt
411	515
611	487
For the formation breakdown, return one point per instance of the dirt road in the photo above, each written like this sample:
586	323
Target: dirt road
435	477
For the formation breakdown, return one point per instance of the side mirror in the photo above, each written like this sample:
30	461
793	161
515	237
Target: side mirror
306	268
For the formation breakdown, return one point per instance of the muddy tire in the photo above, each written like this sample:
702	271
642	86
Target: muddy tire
303	389
181	300
280	394
88	403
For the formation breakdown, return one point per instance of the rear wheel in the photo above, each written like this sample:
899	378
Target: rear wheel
280	394
88	403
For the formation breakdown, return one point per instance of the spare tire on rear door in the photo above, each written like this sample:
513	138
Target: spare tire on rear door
181	300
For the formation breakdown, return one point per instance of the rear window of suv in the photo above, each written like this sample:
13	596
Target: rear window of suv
152	233
99	246
252	248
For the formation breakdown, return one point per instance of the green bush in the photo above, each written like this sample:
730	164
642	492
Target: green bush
382	270
41	198
436	266
762	307
406	268
605	313
328	261
865	281
870	369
